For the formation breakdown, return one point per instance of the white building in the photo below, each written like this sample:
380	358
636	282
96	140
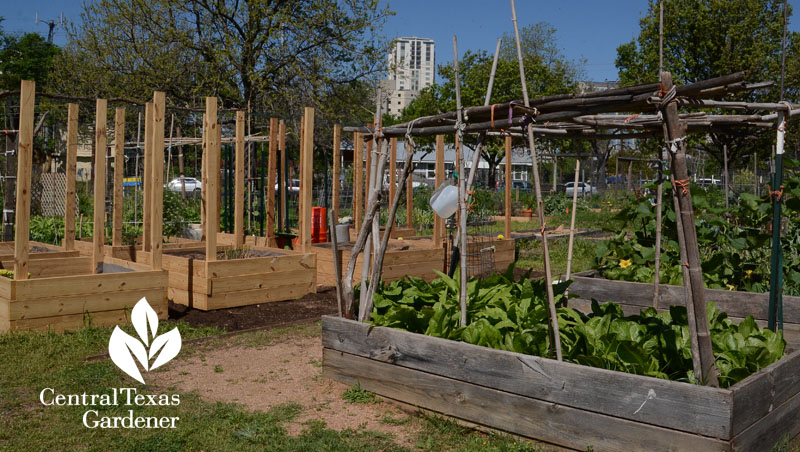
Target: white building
412	67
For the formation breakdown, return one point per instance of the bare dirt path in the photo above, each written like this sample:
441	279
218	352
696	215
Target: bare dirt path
260	371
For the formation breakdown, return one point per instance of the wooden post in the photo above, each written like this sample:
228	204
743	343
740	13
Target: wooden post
27	103
358	179
301	156
100	152
507	185
146	182
555	173
157	178
238	202
698	319
368	174
438	222
72	170
657	265
271	180
392	167
203	179
337	170
410	188
119	173
307	175
284	166
180	161
212	137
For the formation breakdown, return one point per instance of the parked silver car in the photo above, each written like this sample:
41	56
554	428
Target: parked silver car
582	187
192	184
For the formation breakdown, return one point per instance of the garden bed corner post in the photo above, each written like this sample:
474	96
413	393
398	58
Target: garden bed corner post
676	144
100	153
157	180
27	102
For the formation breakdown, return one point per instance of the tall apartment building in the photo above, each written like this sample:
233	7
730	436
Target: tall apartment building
412	67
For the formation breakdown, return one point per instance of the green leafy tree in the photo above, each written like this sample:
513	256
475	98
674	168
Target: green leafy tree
711	38
546	70
25	57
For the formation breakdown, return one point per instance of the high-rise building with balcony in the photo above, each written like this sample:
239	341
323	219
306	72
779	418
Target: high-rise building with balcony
412	67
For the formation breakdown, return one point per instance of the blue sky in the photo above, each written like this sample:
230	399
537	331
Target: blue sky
586	29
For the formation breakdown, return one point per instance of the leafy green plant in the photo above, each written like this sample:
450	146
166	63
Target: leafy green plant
509	314
356	394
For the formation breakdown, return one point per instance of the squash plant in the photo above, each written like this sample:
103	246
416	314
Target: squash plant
509	314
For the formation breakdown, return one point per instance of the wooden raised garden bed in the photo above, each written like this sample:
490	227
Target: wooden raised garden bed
63	294
36	250
401	259
268	275
634	296
567	404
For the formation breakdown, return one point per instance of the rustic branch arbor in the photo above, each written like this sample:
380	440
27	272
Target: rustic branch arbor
452	377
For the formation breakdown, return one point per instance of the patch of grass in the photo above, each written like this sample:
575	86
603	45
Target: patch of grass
264	338
438	430
356	394
583	254
218	369
388	419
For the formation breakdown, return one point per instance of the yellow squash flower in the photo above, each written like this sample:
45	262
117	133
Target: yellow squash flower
500	237
730	287
624	263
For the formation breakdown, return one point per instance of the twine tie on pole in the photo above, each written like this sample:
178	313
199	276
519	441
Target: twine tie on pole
683	184
673	144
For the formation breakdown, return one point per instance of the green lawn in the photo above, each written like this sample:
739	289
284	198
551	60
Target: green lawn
531	255
33	361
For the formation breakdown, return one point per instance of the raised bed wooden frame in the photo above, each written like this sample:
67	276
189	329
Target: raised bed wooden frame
63	291
577	406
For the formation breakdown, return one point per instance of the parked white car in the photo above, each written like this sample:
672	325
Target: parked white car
582	187
293	186
192	184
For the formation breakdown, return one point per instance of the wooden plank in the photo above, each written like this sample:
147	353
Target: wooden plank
307	171
87	302
438	222
358	180
759	394
5	323
272	177
43	268
410	192
27	100
782	423
89	284
212	175
254	265
669	404
71	173
414	256
238	202
284	166
77	321
249	297
260	281
190	282
146	182
7	292
119	174
100	154
337	171
545	421
635	294
157	197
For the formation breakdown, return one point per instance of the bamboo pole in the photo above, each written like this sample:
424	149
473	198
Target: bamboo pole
438	222
238	189
284	167
212	145
337	262
27	104
775	318
410	188
676	142
507	186
462	195
358	179
157	178
307	172
725	162
71	169
180	162
392	167
100	152
337	171
572	220
556	337
146	181
272	177
368	174
119	170
659	202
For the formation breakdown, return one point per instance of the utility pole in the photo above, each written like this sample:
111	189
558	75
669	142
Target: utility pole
52	24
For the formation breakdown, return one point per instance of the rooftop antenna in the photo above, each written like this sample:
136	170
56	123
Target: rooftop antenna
52	24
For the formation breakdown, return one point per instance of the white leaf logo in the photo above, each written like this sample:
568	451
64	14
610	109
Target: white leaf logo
123	348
